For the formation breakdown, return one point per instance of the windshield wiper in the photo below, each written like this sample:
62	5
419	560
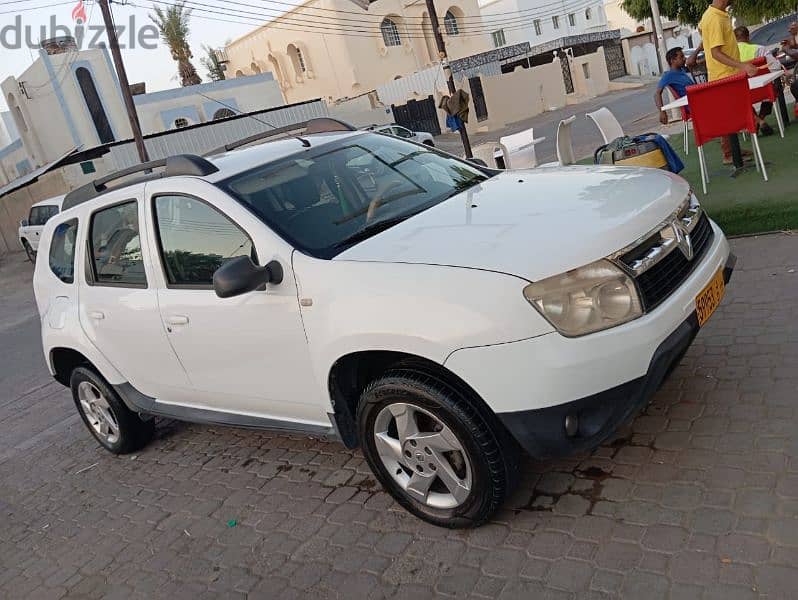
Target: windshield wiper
374	229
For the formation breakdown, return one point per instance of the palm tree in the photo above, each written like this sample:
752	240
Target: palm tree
172	22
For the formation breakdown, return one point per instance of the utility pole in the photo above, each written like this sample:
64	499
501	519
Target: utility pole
123	82
657	22
433	16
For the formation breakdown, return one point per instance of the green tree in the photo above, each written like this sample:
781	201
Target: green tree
173	23
690	11
211	63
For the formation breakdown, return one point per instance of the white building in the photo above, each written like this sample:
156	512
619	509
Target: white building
540	21
70	98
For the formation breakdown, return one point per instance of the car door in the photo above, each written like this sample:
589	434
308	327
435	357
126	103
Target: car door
247	354
32	232
118	304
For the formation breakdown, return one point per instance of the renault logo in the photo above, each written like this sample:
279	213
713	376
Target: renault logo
683	240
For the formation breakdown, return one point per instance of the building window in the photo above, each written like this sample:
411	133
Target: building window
223	113
95	106
498	38
572	19
538	28
555	20
390	33
295	54
450	23
588	14
255	68
181	122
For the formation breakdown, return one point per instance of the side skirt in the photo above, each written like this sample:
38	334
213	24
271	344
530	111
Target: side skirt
147	406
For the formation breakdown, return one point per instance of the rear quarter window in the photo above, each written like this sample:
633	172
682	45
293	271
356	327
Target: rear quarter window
62	251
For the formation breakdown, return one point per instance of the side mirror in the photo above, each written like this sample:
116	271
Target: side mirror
23	223
240	275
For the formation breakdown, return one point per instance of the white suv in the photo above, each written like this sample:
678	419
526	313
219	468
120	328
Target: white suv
30	229
438	315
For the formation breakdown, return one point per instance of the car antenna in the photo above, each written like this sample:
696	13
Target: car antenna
305	143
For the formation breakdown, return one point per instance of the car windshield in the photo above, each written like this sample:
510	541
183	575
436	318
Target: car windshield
329	198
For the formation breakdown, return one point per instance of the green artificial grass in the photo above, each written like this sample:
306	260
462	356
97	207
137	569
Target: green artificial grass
748	204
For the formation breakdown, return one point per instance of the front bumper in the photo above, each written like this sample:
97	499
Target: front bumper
541	432
532	384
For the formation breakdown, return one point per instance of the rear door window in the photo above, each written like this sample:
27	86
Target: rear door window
62	251
115	245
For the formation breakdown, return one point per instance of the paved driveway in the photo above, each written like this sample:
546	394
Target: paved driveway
697	498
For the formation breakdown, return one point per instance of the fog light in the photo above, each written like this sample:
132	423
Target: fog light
571	425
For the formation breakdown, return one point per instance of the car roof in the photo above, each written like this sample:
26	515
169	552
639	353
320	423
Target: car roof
54	201
244	159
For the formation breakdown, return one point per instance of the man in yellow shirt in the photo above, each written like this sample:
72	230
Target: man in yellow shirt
720	45
721	51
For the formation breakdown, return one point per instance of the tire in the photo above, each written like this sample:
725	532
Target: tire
30	252
421	471
429	143
118	429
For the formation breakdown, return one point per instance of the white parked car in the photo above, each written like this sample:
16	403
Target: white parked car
30	229
438	315
422	137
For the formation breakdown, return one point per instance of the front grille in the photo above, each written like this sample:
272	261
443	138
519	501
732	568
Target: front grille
662	279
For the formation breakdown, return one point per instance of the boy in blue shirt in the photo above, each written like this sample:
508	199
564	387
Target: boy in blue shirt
677	78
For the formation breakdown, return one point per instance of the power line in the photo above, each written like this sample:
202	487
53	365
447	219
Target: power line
291	6
295	18
336	28
32	8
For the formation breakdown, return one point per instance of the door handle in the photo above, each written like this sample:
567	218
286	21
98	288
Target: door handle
177	320
97	315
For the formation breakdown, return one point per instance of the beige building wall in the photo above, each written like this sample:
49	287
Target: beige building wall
338	63
618	18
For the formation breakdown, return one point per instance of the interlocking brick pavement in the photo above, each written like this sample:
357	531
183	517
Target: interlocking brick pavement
697	498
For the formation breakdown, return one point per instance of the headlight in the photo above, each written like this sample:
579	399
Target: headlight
591	298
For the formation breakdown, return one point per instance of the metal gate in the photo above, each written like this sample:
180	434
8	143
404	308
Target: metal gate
418	115
616	65
478	94
566	73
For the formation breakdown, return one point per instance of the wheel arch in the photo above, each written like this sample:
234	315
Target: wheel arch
352	373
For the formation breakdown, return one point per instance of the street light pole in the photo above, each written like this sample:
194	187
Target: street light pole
656	19
113	42
433	16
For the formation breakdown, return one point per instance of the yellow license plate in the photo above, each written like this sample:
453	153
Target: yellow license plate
709	299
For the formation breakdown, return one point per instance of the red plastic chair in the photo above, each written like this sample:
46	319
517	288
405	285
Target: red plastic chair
721	108
767	93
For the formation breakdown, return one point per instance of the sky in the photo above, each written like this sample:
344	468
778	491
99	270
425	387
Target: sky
153	66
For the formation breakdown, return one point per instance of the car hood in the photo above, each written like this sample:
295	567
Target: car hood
532	223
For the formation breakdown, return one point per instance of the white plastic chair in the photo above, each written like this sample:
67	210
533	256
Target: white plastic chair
676	114
607	124
565	147
521	149
488	152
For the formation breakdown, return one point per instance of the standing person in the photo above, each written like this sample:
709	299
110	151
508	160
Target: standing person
722	53
749	52
677	78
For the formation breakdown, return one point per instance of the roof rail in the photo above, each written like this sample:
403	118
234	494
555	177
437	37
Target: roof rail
181	164
316	125
327	125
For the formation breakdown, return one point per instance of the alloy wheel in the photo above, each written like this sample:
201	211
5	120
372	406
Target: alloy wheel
98	412
423	455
